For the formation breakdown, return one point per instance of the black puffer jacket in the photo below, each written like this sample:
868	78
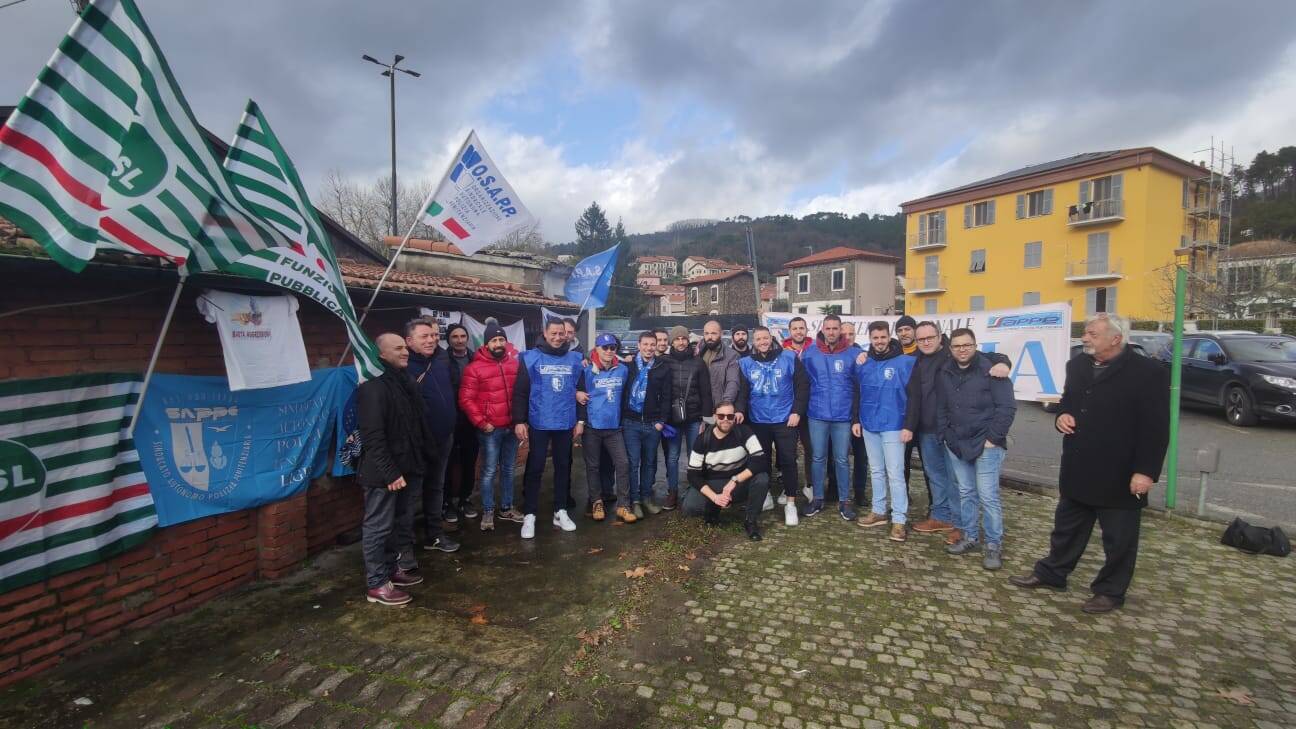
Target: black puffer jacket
394	437
692	385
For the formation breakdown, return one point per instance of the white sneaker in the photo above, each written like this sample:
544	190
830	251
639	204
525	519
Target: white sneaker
564	522
790	514
528	526
769	503
782	499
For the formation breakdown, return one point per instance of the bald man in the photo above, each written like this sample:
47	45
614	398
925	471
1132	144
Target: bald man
395	448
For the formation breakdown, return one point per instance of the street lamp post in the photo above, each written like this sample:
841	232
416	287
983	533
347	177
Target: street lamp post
390	73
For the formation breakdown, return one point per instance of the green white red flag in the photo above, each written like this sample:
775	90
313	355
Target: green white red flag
474	206
72	492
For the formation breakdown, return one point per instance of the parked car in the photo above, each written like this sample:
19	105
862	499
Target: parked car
1077	347
1249	376
1153	343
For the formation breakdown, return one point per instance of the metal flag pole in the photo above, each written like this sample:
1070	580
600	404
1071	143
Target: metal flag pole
1176	379
157	350
404	241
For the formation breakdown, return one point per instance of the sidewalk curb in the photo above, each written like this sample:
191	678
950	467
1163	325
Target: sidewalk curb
1043	489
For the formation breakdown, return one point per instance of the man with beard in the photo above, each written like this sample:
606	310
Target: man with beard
722	364
486	399
645	409
905	329
830	367
920	427
429	366
727	470
463	452
390	418
797	343
544	411
739	344
600	395
774	393
690	401
882	379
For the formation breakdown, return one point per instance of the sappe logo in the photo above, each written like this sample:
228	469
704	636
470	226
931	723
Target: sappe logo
1038	320
471	161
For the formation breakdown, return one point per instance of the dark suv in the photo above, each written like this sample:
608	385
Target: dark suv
1250	376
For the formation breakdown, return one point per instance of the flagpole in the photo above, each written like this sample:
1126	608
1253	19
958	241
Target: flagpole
405	240
157	349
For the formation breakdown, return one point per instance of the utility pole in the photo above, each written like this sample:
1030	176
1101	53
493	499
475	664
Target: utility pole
751	256
390	73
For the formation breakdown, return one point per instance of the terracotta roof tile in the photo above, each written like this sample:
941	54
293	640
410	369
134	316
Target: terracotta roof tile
363	275
840	253
712	278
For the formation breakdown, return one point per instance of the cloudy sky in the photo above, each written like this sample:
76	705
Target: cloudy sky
662	111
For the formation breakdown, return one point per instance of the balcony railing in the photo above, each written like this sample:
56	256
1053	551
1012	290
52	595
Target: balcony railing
1100	269
928	242
1098	211
926	285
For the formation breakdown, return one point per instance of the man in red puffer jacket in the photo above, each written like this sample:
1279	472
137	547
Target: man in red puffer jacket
486	398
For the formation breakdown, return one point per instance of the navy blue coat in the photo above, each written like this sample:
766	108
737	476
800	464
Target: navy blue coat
973	407
436	385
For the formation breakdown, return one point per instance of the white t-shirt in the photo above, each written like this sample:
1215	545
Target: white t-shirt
260	336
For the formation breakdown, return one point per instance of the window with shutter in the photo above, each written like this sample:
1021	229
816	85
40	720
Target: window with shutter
929	306
1116	186
1030	298
922	230
1084	192
978	264
1184	202
967	215
976	303
1021	206
1034	254
991	205
1048	202
1111	300
1091	299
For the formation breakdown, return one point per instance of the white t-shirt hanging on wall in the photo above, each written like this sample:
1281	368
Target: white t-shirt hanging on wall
260	336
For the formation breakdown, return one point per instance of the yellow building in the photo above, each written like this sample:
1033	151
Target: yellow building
1100	230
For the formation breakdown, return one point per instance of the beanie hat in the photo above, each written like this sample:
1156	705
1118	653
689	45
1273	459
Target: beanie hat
678	331
494	330
906	321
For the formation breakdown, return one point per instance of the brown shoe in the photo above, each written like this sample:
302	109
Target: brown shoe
873	520
597	513
932	526
672	502
624	514
388	594
899	533
1099	604
954	535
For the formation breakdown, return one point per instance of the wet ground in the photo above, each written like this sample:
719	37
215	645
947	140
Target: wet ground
821	625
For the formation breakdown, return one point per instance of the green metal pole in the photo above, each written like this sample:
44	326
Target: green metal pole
1176	377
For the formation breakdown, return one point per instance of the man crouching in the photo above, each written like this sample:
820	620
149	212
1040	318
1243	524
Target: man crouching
727	467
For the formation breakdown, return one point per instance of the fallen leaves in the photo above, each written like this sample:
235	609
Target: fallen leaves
478	615
690	556
1239	695
638	572
594	550
683	568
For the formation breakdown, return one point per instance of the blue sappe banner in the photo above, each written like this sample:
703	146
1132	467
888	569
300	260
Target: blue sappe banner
591	278
206	450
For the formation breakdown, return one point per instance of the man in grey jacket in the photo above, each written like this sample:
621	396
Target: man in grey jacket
722	366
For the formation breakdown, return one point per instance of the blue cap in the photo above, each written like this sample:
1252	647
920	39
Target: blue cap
606	339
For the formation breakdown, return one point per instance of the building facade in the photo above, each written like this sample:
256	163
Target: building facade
720	293
1258	278
660	266
695	266
1099	230
842	280
669	299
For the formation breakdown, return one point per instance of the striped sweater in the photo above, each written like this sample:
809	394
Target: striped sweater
715	458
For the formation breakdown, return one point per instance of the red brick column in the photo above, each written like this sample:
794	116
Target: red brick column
281	536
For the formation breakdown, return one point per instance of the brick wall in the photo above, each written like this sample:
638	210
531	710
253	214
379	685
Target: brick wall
183	566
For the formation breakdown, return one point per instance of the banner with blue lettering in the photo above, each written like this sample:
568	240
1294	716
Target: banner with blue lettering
591	278
206	450
1036	338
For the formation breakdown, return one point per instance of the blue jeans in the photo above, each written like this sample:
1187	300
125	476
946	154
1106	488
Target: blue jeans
685	434
822	433
641	441
886	466
499	453
945	502
978	485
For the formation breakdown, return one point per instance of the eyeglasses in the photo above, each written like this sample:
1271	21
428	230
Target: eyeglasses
927	340
608	347
963	346
726	416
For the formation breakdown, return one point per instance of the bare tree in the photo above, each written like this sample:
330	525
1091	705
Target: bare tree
526	239
1259	287
366	210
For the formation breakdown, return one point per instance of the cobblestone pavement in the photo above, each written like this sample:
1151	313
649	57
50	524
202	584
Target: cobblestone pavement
831	625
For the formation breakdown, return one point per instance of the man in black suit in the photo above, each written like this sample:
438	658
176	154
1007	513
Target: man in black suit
1115	422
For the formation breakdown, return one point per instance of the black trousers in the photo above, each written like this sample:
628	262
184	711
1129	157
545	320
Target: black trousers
535	466
1072	526
463	466
910	447
751	493
779	438
434	486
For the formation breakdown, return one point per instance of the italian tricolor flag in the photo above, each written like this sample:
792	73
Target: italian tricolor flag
436	216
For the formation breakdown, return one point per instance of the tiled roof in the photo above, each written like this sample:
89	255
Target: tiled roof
1269	248
715	277
363	275
419	244
840	253
653	259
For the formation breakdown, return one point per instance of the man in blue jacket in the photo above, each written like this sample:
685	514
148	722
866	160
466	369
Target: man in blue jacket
882	380
973	416
773	393
830	366
600	396
429	367
544	411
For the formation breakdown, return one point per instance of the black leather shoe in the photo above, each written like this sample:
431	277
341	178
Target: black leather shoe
1031	582
753	531
1099	604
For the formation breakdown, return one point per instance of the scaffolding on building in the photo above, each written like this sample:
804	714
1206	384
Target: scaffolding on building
1208	228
